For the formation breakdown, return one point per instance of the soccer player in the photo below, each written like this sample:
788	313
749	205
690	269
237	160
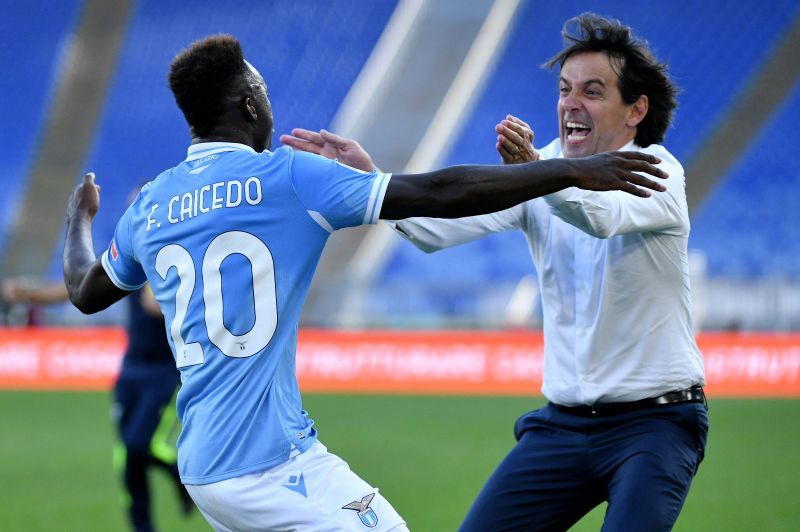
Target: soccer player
143	395
626	419
229	239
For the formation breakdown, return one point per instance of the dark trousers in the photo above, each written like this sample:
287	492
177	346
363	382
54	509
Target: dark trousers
563	465
141	404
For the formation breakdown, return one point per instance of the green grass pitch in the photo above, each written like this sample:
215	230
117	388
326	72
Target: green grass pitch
428	455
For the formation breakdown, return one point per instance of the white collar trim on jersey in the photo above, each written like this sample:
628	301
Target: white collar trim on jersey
198	151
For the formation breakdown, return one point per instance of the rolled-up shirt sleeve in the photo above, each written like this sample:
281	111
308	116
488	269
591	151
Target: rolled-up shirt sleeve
606	214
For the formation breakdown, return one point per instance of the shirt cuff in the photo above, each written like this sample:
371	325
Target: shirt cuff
375	203
112	274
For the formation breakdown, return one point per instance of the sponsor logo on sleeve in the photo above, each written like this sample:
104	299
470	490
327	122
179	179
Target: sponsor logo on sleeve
113	250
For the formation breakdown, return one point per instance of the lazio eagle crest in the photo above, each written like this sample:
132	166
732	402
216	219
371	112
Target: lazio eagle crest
365	513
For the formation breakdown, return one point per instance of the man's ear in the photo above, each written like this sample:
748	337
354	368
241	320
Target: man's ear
250	107
638	111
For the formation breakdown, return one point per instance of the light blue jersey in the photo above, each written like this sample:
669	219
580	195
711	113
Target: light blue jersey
229	240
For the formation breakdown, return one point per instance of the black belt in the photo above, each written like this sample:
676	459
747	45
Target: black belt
690	395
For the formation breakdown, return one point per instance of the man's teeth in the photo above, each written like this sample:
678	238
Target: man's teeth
572	131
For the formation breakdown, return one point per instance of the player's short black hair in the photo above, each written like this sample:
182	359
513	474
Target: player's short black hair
203	76
631	58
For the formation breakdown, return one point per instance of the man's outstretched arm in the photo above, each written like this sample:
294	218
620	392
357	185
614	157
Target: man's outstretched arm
34	291
88	285
460	191
605	215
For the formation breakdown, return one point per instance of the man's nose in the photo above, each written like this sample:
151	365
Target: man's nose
570	102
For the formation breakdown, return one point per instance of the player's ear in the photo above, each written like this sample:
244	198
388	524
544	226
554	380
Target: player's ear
248	102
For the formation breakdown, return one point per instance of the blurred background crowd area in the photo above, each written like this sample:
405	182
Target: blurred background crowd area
421	84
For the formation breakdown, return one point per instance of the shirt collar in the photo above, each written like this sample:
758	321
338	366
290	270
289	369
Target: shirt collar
202	149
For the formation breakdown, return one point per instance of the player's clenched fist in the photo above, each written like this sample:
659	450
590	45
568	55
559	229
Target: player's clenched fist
85	198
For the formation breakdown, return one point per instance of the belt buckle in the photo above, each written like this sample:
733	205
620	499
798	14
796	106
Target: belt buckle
703	395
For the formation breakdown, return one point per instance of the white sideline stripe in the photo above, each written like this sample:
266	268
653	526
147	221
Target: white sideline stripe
389	44
480	58
317	217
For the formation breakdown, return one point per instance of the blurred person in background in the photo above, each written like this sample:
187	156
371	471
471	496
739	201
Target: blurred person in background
229	240
626	420
144	393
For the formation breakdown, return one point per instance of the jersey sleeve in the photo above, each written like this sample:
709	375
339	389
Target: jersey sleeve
336	195
118	260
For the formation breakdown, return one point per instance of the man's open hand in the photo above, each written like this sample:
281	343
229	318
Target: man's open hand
619	170
330	145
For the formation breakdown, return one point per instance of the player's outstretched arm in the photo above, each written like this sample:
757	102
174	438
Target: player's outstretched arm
460	191
33	291
469	190
88	285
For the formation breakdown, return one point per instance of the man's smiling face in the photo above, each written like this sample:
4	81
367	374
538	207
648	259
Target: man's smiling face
592	116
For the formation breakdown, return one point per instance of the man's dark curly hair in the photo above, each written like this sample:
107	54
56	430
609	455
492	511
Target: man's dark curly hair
638	70
203	76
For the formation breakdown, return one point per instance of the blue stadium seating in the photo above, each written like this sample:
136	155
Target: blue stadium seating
748	225
713	49
31	56
309	53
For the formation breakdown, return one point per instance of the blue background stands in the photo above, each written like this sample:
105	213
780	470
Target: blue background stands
713	50
30	55
307	53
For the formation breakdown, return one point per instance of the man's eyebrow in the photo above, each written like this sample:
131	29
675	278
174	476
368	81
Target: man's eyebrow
585	83
594	80
599	81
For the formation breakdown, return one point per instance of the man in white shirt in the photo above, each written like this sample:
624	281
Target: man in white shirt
626	419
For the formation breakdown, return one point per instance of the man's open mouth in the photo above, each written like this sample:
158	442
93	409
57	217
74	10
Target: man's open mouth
576	131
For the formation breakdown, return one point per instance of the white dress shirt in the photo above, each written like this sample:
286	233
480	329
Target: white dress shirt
614	280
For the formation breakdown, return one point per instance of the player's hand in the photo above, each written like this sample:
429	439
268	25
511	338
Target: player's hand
515	141
620	170
330	145
85	199
13	289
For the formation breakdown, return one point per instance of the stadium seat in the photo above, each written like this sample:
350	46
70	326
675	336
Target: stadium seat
748	225
34	58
